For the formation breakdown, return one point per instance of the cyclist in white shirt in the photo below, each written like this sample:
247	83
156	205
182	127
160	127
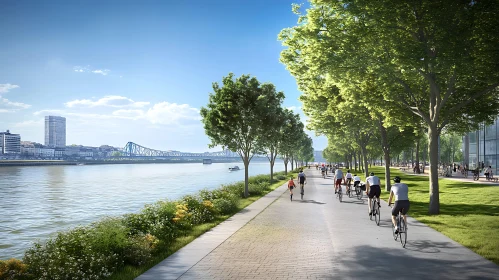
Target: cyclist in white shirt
348	179
373	189
356	180
401	193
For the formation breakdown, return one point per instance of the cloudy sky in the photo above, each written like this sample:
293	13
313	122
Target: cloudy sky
135	71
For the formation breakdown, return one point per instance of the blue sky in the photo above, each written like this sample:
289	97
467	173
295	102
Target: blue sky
136	71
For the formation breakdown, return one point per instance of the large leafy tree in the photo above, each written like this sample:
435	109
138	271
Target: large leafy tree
436	59
238	113
290	132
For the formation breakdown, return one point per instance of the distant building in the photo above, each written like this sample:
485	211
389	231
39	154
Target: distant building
55	131
482	146
10	143
318	157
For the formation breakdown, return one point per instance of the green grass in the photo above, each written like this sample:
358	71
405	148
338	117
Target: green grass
131	272
469	212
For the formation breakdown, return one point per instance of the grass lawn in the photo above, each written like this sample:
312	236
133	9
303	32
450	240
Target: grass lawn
469	212
131	272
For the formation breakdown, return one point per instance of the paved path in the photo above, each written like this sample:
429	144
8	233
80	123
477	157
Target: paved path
320	238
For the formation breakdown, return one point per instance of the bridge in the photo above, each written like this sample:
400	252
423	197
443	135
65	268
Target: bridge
133	150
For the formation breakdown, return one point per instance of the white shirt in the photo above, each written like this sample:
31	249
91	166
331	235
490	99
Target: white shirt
400	191
356	178
349	176
373	181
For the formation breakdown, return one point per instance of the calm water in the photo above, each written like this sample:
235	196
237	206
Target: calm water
37	201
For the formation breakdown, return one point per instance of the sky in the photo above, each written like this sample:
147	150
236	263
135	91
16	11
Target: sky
136	71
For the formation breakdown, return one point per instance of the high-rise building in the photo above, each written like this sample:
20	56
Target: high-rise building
10	143
55	131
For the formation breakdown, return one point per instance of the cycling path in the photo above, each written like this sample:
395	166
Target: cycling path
319	238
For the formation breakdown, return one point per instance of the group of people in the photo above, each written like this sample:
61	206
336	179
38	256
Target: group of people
399	191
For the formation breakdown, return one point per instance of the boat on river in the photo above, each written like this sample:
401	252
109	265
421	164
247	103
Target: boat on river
235	168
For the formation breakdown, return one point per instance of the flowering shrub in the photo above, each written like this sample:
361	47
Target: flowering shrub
71	255
140	249
98	250
13	269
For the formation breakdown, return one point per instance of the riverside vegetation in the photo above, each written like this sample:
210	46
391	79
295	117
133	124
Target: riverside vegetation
124	247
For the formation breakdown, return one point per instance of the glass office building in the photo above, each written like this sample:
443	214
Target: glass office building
482	145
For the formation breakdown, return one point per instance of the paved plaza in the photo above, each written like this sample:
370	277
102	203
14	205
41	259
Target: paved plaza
319	238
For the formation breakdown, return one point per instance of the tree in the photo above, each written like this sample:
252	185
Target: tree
237	114
436	59
288	146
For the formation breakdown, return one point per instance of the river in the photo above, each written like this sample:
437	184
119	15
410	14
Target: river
37	201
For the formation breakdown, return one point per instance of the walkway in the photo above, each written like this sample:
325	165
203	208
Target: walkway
319	238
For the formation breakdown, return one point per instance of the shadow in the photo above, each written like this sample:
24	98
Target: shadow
360	202
311	201
458	209
428	246
368	262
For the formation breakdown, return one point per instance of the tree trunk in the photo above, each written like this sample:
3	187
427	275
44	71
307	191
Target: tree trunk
417	157
286	160
386	153
246	165
364	156
292	163
433	134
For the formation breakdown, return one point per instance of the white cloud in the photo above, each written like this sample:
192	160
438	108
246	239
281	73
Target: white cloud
103	72
109	101
88	69
171	113
17	105
4	88
49	112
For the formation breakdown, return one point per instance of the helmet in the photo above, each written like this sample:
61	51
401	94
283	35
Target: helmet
348	171
396	179
354	174
371	174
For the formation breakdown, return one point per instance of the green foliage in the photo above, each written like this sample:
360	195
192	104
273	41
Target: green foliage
13	269
98	250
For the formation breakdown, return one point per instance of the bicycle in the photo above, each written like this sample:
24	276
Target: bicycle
340	194
476	175
358	191
375	212
324	174
302	190
349	188
402	229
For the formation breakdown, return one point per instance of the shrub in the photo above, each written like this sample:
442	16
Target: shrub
140	249
258	188
281	177
71	255
13	269
156	219
226	205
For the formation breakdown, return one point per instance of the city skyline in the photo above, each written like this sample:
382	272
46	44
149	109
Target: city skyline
122	71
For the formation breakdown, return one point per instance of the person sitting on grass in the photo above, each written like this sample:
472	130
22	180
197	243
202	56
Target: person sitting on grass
291	186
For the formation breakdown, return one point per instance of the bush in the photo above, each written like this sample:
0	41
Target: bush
13	269
140	249
258	188
156	219
226	205
71	255
281	177
199	211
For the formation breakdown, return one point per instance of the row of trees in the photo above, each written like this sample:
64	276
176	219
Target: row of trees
247	117
391	70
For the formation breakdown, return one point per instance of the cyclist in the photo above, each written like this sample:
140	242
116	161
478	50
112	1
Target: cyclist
323	169
356	180
401	193
338	177
291	186
348	178
373	189
301	180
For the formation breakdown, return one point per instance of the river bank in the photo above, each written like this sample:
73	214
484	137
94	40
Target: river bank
4	163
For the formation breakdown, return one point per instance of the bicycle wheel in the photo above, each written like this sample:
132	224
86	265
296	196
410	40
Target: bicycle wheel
350	193
302	192
395	235
372	211
403	232
377	217
340	196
